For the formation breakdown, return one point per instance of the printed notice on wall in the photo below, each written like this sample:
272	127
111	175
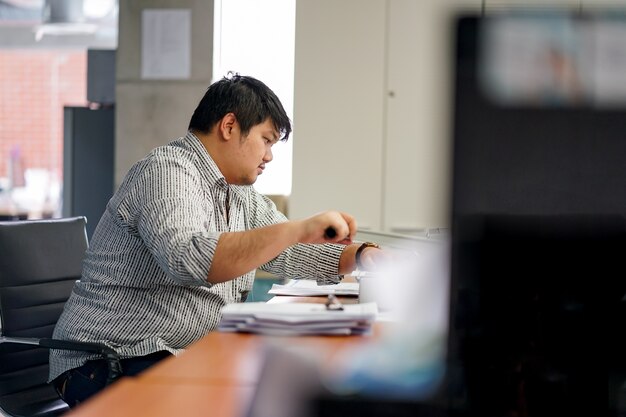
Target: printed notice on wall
166	44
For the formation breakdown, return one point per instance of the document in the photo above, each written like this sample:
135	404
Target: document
166	44
298	319
309	288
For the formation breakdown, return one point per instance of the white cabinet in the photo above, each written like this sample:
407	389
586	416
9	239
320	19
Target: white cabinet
371	111
418	117
338	108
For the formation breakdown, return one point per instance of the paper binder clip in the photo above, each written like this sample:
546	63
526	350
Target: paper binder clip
333	304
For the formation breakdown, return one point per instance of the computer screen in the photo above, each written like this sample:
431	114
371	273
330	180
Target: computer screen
538	216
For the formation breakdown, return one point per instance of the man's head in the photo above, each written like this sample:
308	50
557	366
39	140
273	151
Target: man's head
238	120
251	101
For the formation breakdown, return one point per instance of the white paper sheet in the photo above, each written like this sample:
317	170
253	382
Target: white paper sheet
166	44
307	287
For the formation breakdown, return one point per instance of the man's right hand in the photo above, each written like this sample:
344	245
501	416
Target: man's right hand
314	229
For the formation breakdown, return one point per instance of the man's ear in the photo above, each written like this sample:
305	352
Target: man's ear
227	124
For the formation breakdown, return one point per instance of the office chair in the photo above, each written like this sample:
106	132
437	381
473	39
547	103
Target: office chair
39	262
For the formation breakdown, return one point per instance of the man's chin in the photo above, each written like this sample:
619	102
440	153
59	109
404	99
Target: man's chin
248	181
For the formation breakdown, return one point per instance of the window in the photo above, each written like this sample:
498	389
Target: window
257	38
43	67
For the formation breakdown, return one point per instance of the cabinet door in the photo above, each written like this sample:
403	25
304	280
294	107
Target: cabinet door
416	162
338	108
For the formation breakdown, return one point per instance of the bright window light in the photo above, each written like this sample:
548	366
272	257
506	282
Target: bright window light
97	9
257	38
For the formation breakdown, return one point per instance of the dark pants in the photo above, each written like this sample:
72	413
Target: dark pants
76	385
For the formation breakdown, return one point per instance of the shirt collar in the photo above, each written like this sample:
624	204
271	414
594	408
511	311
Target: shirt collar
209	168
207	165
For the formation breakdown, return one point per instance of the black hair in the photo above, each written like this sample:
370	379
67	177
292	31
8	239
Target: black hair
249	99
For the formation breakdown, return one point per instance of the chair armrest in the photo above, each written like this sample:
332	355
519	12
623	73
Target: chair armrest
110	356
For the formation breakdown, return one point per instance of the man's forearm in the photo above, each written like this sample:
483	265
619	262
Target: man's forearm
238	253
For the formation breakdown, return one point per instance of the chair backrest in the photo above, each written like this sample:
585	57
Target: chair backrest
39	262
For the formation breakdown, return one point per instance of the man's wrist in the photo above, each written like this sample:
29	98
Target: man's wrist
346	261
359	252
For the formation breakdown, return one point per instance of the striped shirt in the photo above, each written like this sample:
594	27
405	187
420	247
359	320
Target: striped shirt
144	285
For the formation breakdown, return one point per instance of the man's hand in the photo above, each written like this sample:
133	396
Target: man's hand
314	229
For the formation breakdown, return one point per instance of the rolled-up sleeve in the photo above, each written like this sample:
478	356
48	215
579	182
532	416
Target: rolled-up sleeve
318	262
173	221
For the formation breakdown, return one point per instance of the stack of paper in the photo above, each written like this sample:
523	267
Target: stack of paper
309	288
297	319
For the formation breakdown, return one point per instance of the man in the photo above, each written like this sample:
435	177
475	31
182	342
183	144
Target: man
183	235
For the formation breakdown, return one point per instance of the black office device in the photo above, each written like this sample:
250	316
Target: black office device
89	143
538	218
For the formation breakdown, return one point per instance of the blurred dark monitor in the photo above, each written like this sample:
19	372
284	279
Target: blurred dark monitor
538	227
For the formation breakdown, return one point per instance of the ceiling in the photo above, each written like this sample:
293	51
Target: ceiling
48	24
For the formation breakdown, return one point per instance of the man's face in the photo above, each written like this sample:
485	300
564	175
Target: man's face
253	152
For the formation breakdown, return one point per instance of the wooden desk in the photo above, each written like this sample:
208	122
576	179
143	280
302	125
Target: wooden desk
134	398
215	376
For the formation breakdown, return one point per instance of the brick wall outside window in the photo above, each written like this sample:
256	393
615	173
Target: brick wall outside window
34	87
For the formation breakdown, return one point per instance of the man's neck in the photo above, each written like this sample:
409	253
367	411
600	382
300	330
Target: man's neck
212	143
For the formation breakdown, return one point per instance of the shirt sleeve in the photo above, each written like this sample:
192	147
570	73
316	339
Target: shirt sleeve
173	218
319	262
